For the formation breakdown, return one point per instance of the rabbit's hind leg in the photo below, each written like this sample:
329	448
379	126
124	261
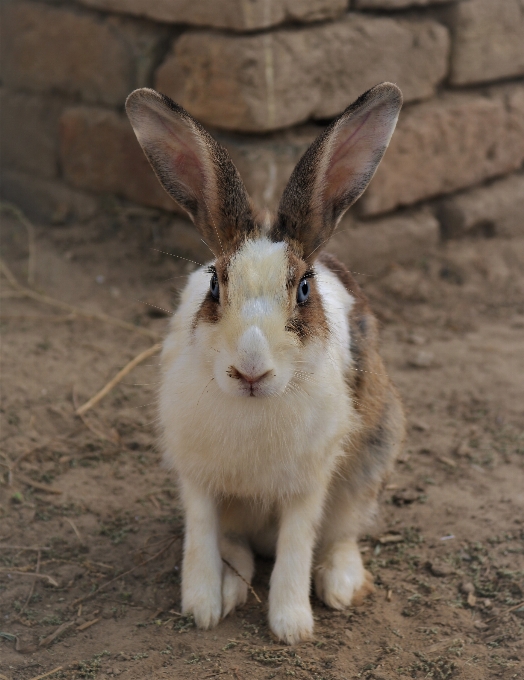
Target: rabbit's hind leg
340	576
238	572
238	520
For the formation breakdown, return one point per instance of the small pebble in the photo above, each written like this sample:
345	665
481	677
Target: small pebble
467	588
440	569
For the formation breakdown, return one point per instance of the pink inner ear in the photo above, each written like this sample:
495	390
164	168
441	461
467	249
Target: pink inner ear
346	139
187	171
183	161
354	150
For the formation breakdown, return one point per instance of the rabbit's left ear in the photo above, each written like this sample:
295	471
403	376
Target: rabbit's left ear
336	170
193	168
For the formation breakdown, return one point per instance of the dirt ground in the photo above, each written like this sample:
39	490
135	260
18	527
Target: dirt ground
446	554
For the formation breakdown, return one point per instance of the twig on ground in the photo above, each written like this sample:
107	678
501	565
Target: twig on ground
250	587
36	485
87	624
31	261
44	577
51	638
59	304
125	573
46	675
146	354
75	529
154	502
113	437
88	564
33	585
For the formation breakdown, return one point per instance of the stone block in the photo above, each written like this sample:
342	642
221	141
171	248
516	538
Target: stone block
100	153
371	247
29	132
46	200
448	144
236	15
488	40
396	4
275	80
47	48
493	210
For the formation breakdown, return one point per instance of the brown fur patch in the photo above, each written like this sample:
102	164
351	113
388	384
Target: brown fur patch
308	319
210	310
375	398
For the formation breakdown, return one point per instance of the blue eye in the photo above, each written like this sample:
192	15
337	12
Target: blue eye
214	287
303	291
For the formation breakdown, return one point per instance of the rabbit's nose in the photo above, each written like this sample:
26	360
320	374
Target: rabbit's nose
249	378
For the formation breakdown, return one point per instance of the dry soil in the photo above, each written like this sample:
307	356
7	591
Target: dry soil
84	504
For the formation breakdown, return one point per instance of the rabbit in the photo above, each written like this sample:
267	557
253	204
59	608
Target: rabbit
276	411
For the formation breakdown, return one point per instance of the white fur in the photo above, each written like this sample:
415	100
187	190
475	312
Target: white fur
273	451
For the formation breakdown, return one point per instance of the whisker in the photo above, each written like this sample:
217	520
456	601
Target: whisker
205	388
214	226
208	247
144	405
155	306
361	370
179	256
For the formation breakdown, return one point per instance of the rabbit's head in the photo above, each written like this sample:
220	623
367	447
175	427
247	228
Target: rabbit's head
261	317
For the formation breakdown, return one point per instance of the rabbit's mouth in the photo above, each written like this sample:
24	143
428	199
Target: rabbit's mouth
250	384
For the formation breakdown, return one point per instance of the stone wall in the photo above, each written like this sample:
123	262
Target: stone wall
264	76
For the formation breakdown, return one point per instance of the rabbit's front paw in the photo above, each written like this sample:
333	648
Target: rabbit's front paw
203	598
341	580
291	624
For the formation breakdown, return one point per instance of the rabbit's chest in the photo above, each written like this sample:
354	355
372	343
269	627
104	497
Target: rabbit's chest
255	449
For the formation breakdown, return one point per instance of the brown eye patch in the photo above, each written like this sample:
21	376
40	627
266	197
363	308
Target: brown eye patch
210	310
308	320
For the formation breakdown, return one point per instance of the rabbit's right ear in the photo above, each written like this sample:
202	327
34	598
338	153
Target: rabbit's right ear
336	169
193	168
